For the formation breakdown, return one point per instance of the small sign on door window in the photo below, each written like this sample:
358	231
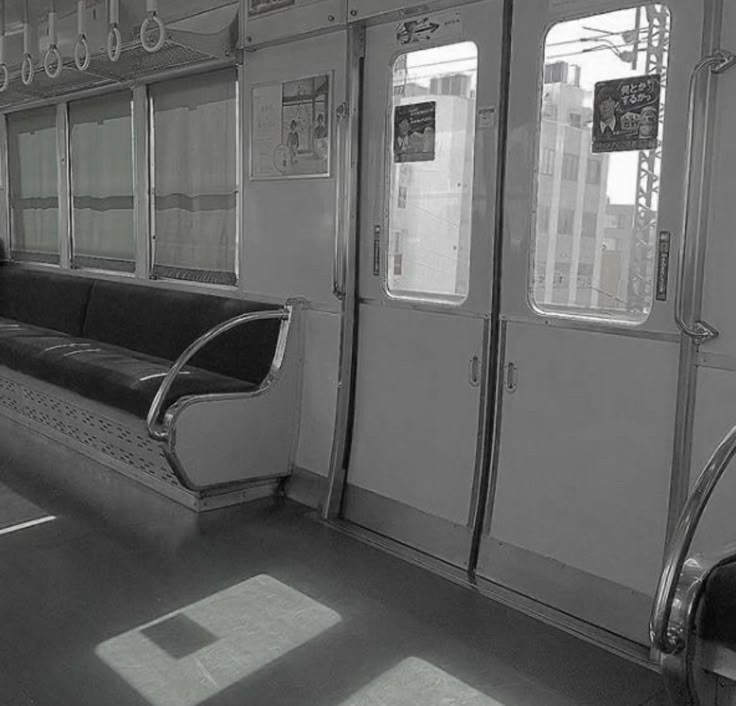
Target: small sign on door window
626	114
414	132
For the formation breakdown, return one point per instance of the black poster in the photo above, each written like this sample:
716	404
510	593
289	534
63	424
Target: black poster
414	132
626	114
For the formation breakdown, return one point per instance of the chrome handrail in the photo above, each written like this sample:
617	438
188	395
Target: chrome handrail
339	264
161	434
671	638
717	62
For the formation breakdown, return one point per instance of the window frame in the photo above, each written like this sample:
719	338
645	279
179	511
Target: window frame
141	145
602	316
418	298
62	212
238	191
70	162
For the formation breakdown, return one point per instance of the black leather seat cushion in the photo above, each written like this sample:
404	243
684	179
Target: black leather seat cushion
44	299
717	615
162	323
114	342
109	374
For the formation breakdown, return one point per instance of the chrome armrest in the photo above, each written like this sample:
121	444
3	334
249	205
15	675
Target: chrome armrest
672	611
159	432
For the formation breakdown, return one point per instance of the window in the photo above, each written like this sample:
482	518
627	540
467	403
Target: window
570	164
543	219
34	198
194	178
566	221
614	285
431	158
590	225
547	165
103	234
594	172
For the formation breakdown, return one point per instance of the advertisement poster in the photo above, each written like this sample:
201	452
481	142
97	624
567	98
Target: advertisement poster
291	129
261	7
414	132
626	114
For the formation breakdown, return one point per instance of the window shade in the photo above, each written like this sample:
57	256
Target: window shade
194	177
33	182
102	182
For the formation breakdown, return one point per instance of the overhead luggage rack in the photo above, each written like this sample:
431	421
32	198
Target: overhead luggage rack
211	36
180	49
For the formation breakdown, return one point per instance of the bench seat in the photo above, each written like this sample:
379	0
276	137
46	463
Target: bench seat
109	374
230	415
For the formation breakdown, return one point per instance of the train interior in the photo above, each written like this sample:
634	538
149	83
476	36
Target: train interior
367	352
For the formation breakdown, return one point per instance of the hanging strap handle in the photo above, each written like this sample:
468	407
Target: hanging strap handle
52	63
4	74
114	38
82	55
152	19
26	67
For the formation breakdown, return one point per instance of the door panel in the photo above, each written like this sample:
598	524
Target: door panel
423	458
413	472
715	409
593	427
579	505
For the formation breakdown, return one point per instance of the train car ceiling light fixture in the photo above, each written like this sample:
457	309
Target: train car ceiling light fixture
52	63
152	18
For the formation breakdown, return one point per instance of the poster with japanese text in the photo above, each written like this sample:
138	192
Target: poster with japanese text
626	114
414	132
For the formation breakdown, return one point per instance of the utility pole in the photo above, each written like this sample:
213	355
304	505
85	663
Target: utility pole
641	269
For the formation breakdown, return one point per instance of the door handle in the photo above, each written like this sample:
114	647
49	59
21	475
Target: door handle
474	371
699	331
512	377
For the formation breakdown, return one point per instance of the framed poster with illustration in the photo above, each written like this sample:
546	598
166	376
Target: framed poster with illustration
291	128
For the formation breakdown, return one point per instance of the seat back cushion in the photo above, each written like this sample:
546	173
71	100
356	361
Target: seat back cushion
162	323
45	299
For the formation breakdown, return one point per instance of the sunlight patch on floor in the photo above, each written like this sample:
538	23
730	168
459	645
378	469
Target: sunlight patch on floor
415	681
188	656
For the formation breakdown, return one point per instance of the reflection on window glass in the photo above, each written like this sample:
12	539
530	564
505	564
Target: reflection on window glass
34	199
599	260
433	128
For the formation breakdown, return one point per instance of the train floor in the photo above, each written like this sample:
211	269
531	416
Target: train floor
114	596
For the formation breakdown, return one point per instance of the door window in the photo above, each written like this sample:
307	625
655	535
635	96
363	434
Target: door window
431	172
598	173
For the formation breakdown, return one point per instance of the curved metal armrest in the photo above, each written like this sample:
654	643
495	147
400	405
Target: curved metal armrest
156	431
667	631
